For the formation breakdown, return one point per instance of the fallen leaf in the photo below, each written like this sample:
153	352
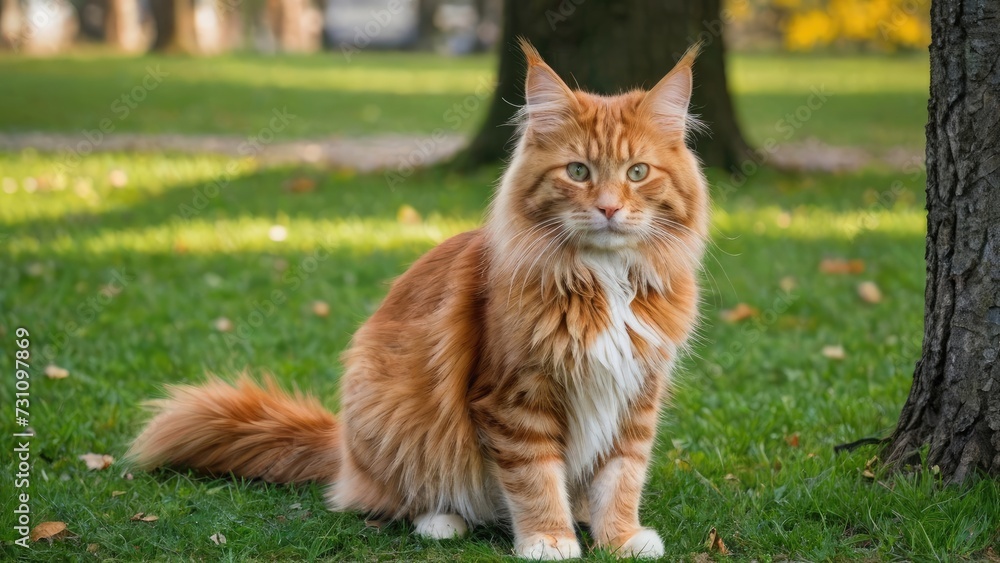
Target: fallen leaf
740	312
96	462
222	324
143	517
715	544
320	308
834	352
110	290
682	464
731	477
53	371
117	493
92	548
841	266
300	185
295	506
788	284
218	539
869	471
793	440
50	531
408	215
869	292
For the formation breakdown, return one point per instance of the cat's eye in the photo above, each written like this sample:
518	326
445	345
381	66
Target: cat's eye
578	171
638	172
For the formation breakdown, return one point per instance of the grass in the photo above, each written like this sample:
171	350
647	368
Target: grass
727	456
874	102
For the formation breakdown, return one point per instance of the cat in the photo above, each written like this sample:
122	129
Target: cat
515	372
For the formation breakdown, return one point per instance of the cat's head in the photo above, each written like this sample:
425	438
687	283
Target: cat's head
609	173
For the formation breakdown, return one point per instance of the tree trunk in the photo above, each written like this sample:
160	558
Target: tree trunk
954	405
608	47
123	26
175	30
294	25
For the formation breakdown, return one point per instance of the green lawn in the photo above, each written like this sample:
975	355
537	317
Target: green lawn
874	102
727	456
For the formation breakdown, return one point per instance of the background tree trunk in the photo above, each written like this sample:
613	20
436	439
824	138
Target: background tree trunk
608	47
123	25
175	31
954	405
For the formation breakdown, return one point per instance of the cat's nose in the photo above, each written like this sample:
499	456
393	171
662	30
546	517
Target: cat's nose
609	209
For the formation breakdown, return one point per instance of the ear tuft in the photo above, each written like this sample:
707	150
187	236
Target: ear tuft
667	102
548	100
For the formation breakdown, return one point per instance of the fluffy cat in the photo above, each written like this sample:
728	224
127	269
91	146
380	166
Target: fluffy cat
514	372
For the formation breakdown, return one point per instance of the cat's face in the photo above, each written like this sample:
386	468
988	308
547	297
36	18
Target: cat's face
608	172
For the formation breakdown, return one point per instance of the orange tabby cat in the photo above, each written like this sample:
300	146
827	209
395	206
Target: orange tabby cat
514	372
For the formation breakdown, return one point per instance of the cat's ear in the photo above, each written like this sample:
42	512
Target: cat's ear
666	104
548	100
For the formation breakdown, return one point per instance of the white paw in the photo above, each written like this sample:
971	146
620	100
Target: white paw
440	526
645	544
543	547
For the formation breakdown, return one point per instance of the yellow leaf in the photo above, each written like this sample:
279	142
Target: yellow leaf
96	462
869	292
55	372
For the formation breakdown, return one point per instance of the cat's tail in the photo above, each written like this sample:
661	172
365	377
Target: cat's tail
252	431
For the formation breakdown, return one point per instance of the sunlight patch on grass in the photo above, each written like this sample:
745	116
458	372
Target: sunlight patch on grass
246	234
820	224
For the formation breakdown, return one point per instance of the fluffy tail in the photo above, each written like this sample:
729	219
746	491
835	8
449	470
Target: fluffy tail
241	428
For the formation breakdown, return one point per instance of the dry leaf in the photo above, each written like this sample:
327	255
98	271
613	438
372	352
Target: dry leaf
788	284
731	477
50	531
834	352
715	544
110	290
793	440
222	324
117	493
55	372
683	464
320	308
96	462
408	215
841	266
300	185
869	471
740	312
869	292
143	517
218	539
92	547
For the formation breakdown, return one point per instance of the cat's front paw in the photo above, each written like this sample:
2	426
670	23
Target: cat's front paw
546	547
440	526
644	544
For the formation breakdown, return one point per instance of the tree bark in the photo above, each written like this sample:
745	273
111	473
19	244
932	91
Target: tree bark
123	26
175	31
954	404
609	47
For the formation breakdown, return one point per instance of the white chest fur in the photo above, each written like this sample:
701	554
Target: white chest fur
614	375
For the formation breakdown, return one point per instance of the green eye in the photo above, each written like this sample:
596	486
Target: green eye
578	171
638	172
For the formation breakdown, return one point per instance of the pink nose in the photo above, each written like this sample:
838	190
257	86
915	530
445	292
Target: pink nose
609	210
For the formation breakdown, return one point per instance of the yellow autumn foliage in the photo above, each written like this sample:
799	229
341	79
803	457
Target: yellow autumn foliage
804	25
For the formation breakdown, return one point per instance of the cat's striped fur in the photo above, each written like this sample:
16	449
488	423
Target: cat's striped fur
516	371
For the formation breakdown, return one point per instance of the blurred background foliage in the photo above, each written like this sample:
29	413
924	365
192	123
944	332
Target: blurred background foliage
452	26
